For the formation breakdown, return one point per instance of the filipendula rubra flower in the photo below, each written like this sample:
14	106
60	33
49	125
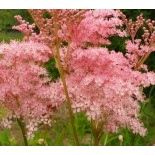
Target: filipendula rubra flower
107	85
104	84
25	89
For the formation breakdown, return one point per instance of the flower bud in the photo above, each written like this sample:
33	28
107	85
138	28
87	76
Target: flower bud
41	141
120	137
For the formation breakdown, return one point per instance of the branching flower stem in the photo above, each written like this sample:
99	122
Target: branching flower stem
22	126
97	132
62	76
20	123
142	60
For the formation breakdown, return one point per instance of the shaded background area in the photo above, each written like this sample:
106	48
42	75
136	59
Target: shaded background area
7	20
60	133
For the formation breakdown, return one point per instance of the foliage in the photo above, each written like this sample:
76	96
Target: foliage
5	139
7	36
7	18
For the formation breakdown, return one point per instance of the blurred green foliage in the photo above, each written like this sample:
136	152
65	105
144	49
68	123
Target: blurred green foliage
7	36
5	139
132	14
52	70
7	19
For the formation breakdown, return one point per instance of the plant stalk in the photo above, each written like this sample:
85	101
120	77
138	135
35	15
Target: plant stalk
22	126
97	132
62	75
96	143
106	139
142	60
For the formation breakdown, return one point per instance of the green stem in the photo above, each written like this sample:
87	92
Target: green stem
97	132
150	93
22	126
106	139
120	143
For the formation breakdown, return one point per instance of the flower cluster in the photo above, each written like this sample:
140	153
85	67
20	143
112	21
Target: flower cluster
28	30
24	84
138	50
97	27
57	23
106	85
